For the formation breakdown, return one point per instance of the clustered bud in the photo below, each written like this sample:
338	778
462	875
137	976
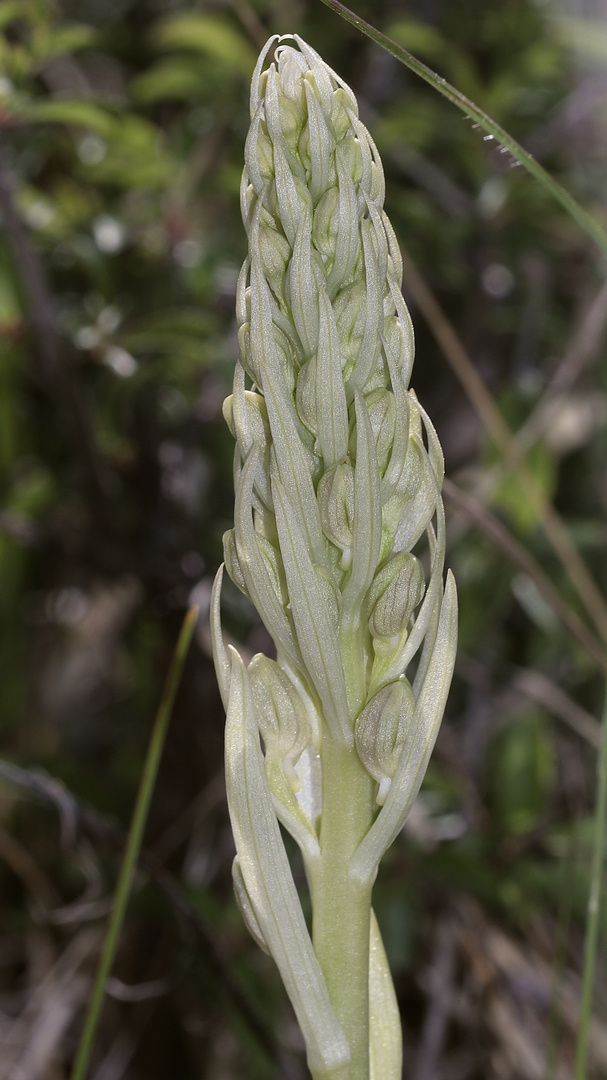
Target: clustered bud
381	732
327	425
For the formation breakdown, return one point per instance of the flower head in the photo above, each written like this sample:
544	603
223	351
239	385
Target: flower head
338	473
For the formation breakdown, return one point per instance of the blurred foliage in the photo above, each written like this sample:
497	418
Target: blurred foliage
123	125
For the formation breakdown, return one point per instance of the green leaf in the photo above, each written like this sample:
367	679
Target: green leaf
211	35
522	772
10	10
587	36
426	41
69	39
80	112
182	333
171	79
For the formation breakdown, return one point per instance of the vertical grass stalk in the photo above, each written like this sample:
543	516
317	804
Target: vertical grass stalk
133	845
594	904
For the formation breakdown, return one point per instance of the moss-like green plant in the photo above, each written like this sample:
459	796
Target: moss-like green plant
338	473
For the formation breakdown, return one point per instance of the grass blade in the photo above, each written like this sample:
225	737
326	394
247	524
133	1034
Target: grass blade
594	904
484	121
133	845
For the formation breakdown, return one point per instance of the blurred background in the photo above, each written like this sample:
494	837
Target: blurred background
121	146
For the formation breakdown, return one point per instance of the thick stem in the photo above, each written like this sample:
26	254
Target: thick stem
341	907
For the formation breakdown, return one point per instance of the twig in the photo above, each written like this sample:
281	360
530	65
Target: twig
52	791
497	428
580	352
520	557
440	983
539	688
250	21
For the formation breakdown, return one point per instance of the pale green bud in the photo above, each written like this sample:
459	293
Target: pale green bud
350	312
281	715
306	395
382	414
330	594
275	568
342	103
325	223
265	156
351	153
230	558
275	254
291	121
336	502
396	591
381	731
246	415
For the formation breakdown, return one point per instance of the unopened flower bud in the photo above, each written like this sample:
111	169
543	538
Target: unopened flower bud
382	414
394	594
381	730
275	569
275	254
336	502
230	557
350	310
330	594
325	223
306	395
281	715
246	415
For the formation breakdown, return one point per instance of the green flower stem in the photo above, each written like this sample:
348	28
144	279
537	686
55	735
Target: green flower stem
133	846
342	909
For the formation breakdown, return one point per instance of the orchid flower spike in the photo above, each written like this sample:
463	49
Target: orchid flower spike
339	542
